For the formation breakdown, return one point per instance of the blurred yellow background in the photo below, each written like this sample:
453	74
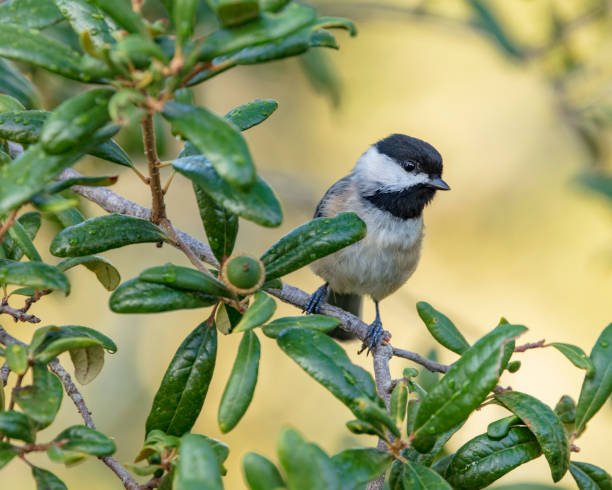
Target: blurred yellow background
515	237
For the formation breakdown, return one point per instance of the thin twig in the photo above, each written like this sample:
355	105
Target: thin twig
532	345
158	208
434	367
8	223
18	315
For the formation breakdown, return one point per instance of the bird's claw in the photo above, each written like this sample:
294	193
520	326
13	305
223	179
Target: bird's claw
375	336
315	300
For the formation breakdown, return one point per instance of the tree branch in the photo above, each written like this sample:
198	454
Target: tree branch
158	208
18	315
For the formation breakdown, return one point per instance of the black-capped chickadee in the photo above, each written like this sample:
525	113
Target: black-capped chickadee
388	188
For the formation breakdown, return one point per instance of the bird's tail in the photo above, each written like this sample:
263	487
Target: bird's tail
348	302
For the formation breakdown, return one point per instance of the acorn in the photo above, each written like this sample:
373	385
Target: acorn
243	274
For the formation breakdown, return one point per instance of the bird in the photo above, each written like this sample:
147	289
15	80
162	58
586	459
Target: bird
388	188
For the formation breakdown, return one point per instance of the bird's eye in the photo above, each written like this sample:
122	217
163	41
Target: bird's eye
409	166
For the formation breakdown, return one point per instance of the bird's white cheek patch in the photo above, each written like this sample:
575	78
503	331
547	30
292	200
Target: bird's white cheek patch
383	174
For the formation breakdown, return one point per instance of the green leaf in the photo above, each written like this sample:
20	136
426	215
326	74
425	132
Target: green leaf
106	272
598	181
232	13
259	312
399	402
85	17
69	125
87	440
442	328
44	336
180	397
441	466
221	225
311	241
305	464
500	428
184	16
240	386
185	278
87	362
226	318
252	113
29	46
356	467
121	12
428	458
566	409
7	453
104	233
258	204
29	174
34	274
261	473
41	400
489	23
31	14
45	480
17	425
31	223
217	139
575	355
414	476
63	342
137	51
482	460
464	387
197	467
111	151
62	185
19	235
136	296
596	388
545	425
12	82
320	323
17	358
590	477
7	102
363	427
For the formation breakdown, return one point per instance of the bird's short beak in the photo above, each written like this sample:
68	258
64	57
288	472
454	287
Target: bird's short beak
439	184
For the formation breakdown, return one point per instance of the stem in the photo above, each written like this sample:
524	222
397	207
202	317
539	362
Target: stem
178	243
16	387
158	209
8	223
18	315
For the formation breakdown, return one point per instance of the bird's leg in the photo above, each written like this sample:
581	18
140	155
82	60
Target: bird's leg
315	300
376	335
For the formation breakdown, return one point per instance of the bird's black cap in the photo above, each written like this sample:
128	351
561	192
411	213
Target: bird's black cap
402	148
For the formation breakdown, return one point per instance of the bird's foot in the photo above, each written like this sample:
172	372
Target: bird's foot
376	336
315	300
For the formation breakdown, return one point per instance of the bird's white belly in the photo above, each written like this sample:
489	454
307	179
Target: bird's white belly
380	263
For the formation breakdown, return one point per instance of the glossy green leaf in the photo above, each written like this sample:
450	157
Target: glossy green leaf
428	457
442	328
464	387
17	358
29	174
185	278
414	476
500	428
41	400
104	233
122	13
106	272
356	467
31	224
258	204
596	388
7	102
33	274
399	402
261	473
31	14
590	477
411	411
45	480
232	13
88	363
29	46
137	51
63	343
70	124
259	312
44	336
481	461
363	427
184	16
575	355
226	318
136	296
83	16
311	241
545	425
12	82
19	235
566	409
320	323
197	467
112	152
217	139
180	397
7	453
240	386
441	466
306	465
252	113
83	181
17	425
221	225
87	440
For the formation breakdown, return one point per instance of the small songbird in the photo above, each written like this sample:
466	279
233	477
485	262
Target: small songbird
388	188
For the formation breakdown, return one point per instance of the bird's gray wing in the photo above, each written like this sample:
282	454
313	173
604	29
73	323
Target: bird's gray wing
338	188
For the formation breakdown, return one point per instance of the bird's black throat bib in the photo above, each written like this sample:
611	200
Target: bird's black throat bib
404	204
